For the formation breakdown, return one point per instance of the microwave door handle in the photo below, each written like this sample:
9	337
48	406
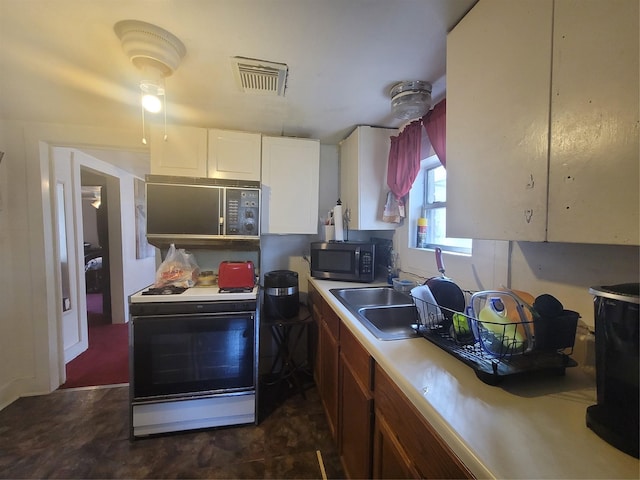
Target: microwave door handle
357	255
222	210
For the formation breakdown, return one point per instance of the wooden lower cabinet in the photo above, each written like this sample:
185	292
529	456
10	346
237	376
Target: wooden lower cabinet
406	445
355	428
378	431
328	376
325	369
389	458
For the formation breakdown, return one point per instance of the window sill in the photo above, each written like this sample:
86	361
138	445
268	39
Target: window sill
464	252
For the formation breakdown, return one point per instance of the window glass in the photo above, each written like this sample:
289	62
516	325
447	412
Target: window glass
428	199
436	184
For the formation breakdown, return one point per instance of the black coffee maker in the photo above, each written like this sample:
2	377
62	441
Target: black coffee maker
615	417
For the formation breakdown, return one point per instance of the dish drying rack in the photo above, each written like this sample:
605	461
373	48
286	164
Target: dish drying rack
498	350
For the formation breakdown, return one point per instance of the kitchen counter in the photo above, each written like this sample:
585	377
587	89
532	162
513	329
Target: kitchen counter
519	429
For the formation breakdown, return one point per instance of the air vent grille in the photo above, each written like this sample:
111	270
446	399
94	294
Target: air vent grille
260	76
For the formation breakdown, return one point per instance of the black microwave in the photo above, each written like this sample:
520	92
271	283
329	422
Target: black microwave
348	261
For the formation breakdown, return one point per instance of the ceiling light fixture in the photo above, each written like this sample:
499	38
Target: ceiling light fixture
157	53
410	99
93	194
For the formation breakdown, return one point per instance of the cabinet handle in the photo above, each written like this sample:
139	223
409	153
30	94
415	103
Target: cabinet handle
531	182
528	214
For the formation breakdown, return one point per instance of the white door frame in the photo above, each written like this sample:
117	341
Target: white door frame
72	160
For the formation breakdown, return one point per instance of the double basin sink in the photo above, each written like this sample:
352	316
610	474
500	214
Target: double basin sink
386	313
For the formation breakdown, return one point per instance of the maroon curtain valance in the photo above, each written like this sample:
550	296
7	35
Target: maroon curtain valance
404	155
435	124
404	159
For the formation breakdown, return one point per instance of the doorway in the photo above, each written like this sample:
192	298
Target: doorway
98	330
65	312
95	238
105	361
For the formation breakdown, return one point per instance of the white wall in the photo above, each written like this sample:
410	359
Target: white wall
20	311
13	336
30	344
561	269
567	270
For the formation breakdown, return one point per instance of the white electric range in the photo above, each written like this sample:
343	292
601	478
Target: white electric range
193	359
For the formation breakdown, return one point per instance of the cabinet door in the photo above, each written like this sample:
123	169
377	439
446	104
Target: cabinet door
326	359
364	157
389	460
328	376
234	155
313	301
290	185
594	161
416	440
183	153
498	88
356	407
355	426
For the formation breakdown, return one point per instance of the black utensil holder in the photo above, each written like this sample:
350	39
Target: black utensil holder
556	333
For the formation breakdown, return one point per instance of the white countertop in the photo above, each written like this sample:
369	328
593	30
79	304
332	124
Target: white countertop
526	429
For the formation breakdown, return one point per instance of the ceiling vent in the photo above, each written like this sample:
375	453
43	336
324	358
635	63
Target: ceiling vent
260	76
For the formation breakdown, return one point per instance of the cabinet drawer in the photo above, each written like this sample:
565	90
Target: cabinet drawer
359	360
428	453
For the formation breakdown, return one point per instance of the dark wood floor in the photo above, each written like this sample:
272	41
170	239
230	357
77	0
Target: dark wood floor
84	433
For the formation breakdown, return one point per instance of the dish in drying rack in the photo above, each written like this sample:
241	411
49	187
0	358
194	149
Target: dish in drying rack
496	336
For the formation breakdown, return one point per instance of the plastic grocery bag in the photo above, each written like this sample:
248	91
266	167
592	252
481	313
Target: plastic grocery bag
178	269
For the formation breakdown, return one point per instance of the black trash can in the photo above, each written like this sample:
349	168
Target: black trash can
281	296
615	417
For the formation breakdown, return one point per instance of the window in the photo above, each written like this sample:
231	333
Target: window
428	199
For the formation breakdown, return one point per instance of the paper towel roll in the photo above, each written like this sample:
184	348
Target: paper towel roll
337	218
329	233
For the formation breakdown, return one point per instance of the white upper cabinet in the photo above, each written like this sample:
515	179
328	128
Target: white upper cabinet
542	122
183	153
363	177
594	175
290	185
234	155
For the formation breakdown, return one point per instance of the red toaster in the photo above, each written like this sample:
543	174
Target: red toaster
236	275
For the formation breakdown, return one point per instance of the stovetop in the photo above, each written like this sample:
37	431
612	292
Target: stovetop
168	290
193	294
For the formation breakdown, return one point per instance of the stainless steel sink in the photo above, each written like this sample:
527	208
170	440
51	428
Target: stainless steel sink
385	312
371	296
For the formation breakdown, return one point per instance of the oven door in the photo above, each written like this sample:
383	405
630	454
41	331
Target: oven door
186	355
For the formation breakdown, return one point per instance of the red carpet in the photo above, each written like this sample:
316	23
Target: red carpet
106	361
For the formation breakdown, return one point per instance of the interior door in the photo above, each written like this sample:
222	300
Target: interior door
72	303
